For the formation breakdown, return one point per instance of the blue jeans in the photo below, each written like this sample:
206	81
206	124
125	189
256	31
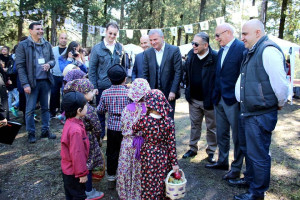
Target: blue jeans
258	132
13	95
101	116
40	93
55	94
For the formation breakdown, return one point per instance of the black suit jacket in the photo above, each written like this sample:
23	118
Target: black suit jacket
137	71
170	69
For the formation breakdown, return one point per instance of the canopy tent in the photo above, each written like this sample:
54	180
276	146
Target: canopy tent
185	48
132	49
290	49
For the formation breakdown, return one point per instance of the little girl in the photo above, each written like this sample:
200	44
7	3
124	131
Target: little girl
158	153
93	129
129	167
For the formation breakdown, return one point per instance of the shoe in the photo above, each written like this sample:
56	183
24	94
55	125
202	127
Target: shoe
231	175
240	183
36	118
94	194
189	154
111	177
217	166
14	111
31	138
211	158
247	196
48	134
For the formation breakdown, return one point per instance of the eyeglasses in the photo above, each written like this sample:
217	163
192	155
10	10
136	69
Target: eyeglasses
196	44
217	35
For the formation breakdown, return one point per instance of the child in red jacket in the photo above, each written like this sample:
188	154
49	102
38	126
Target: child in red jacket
74	146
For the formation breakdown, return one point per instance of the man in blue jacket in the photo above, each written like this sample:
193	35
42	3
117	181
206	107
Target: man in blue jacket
230	58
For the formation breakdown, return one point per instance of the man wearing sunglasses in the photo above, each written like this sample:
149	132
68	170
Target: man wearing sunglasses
227	108
200	68
162	67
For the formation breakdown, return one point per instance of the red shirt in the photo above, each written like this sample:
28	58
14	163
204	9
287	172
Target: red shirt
74	148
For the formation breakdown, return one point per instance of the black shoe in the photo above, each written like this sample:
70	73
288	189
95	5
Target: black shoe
31	138
240	183
189	154
231	175
211	158
247	196
48	134
217	166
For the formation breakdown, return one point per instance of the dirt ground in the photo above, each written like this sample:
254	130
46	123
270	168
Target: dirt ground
32	171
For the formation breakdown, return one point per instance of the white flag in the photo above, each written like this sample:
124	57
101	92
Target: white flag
11	14
173	31
35	11
91	29
204	25
220	20
58	19
102	31
17	13
29	12
188	28
4	14
79	26
144	32
23	12
129	34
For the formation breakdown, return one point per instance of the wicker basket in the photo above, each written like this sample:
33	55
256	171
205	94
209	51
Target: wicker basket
99	172
175	191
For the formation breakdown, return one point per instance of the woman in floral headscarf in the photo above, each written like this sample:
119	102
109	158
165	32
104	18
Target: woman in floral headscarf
93	130
129	167
158	153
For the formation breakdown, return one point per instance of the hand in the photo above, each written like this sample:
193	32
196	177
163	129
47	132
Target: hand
5	69
27	90
3	123
9	82
46	67
83	179
175	168
171	96
96	92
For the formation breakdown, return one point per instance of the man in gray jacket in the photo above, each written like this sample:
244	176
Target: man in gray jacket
34	59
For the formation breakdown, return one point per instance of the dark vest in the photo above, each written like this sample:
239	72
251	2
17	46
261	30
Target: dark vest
256	93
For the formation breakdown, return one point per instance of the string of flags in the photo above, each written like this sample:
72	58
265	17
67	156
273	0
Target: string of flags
129	32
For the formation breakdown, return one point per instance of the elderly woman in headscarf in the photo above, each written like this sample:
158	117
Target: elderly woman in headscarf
129	166
158	153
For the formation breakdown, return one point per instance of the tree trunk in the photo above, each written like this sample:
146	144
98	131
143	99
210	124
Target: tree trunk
122	20
282	18
53	28
202	10
85	26
20	20
186	38
263	15
179	31
162	16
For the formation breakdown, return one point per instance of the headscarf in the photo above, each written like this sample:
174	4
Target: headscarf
74	74
68	68
157	101
80	85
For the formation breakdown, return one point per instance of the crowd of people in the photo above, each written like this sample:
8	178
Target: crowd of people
238	89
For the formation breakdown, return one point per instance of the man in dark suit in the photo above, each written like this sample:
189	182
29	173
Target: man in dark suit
162	67
137	71
227	108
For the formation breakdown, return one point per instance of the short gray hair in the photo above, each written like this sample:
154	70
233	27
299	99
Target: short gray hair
204	36
158	31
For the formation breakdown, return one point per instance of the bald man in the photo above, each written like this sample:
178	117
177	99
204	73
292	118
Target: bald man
229	61
57	74
262	90
137	71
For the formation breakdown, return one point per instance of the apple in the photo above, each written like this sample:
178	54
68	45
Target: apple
177	175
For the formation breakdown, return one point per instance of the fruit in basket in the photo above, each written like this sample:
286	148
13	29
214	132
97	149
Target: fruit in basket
177	175
177	181
171	179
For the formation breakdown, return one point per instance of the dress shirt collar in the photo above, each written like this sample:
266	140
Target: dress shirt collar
204	55
162	49
107	44
227	46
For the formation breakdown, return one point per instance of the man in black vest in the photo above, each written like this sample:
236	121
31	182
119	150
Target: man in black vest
200	68
262	90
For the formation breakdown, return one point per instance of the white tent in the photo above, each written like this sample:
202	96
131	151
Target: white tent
132	49
185	48
288	48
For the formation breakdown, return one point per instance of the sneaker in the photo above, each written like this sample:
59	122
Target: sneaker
36	118
48	134
111	178
14	111
94	194
31	138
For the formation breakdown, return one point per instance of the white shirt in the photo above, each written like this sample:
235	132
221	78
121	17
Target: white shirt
273	64
159	54
225	51
204	55
111	47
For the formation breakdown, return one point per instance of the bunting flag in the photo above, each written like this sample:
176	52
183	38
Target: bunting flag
102	31
204	25
23	13
58	19
30	12
129	34
173	31
4	14
144	32
79	26
91	29
220	20
188	28
35	11
17	13
11	14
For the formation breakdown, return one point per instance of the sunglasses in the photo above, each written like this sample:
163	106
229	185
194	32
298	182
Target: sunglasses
217	35
196	44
